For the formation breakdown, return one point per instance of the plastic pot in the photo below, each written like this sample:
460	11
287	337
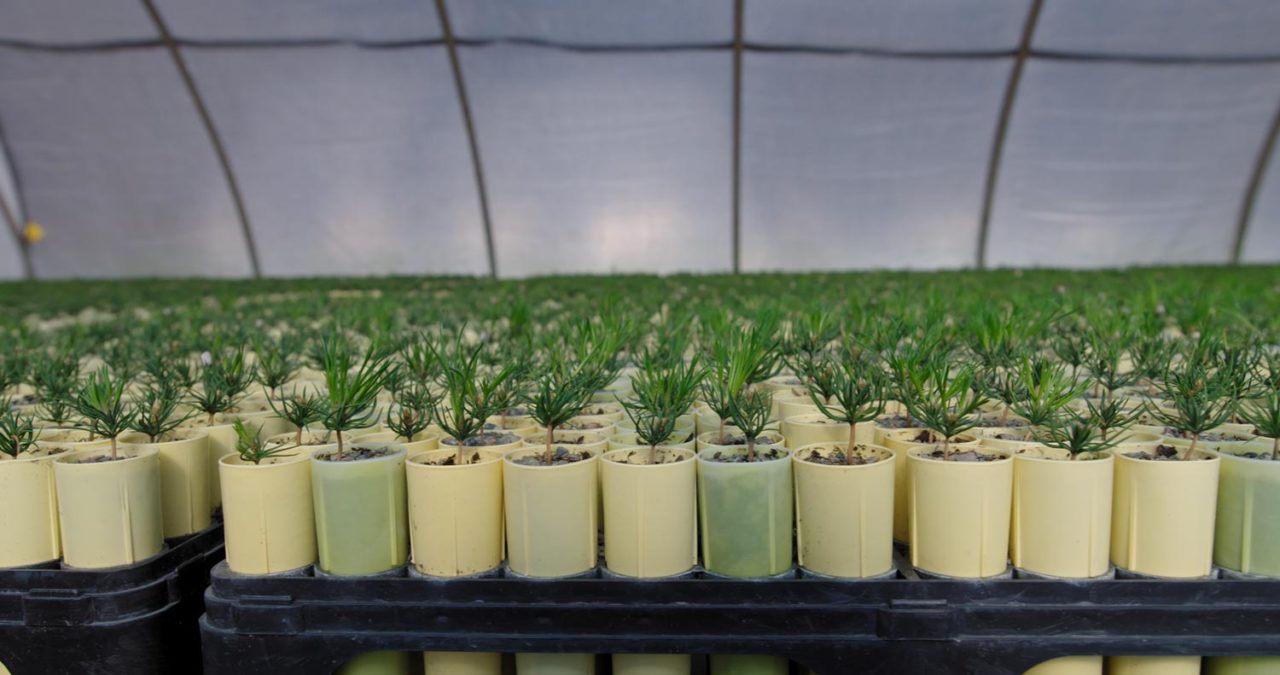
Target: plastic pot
1242	665
184	479
1061	513
844	513
811	428
29	498
376	663
555	664
361	526
736	664
652	664
462	663
1162	515
550	515
650	512
455	513
1153	665
267	513
898	442
745	512
959	515
1246	538
109	511
1069	665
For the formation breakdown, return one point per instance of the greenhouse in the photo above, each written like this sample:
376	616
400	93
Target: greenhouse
590	337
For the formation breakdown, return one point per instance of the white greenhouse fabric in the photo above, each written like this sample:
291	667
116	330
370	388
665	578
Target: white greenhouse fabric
605	132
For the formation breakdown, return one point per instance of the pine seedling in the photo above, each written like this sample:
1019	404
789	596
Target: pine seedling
352	397
225	381
1078	435
1199	400
858	387
663	392
1264	415
276	364
557	397
17	432
251	447
737	360
299	409
750	411
1112	413
411	413
155	412
100	405
470	397
1042	389
54	377
943	398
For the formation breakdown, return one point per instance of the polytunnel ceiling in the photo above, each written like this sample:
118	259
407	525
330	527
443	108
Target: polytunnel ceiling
524	137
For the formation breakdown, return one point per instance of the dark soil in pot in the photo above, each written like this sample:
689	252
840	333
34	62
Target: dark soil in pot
356	454
559	456
838	457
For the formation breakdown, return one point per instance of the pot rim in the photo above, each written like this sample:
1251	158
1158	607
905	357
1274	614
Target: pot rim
234	462
197	433
509	457
136	452
390	457
487	456
1005	456
886	456
786	457
687	456
915	430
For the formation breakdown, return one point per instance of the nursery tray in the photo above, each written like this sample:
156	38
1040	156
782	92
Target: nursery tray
137	619
308	625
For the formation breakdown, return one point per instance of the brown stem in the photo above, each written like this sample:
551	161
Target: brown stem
297	437
210	422
459	459
946	448
751	449
1191	450
547	455
720	439
339	457
653	454
853	437
113	448
1275	448
1104	433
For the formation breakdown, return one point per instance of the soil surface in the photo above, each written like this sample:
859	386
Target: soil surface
582	426
485	439
452	460
661	457
1005	436
1011	422
1164	453
596	410
762	455
1258	455
559	456
739	439
356	454
898	422
961	456
99	459
838	458
821	420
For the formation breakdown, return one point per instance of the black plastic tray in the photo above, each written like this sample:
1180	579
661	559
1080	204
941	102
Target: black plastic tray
309	626
140	619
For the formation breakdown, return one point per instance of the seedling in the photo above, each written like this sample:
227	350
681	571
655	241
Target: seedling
942	397
155	412
276	364
1264	415
470	397
1080	436
1201	400
738	358
858	388
100	405
1040	389
663	392
299	409
252	448
558	396
353	398
411	413
54	377
17	432
1112	413
225	380
750	411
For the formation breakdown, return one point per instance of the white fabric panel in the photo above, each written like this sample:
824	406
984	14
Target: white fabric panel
1161	27
10	257
71	21
350	160
1262	239
116	166
888	24
1112	164
595	22
301	19
853	161
604	162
